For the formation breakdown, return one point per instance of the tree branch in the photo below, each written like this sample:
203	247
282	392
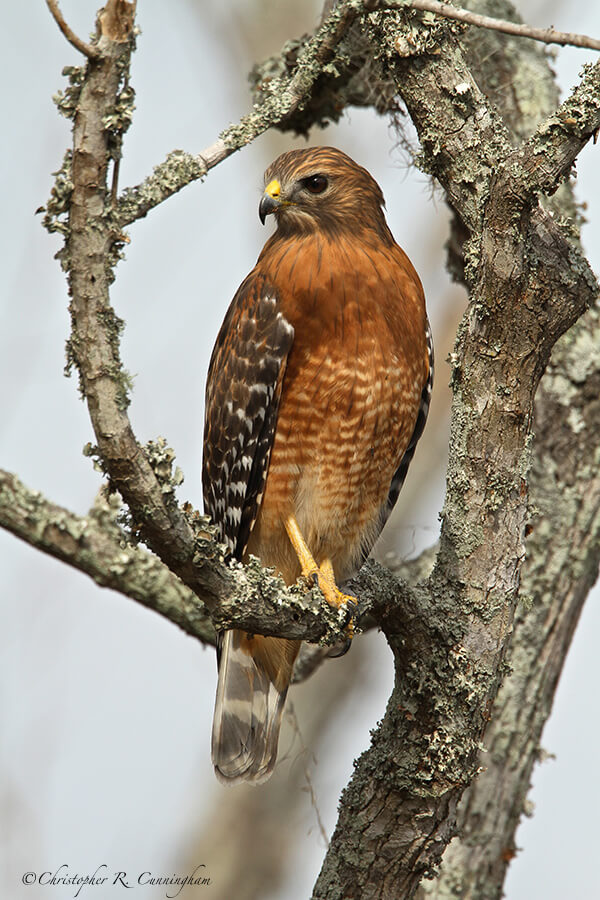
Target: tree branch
281	97
544	160
87	49
96	545
91	248
435	720
546	35
563	553
247	597
564	493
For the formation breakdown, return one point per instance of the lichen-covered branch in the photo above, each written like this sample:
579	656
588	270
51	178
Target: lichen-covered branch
247	597
97	546
91	246
563	553
563	549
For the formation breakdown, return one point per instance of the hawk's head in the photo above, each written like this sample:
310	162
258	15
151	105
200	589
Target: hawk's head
321	188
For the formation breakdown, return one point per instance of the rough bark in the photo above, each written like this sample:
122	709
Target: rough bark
560	568
564	493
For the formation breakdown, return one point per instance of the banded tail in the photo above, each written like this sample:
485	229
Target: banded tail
254	676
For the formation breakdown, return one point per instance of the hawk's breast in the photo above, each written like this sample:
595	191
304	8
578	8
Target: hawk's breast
349	402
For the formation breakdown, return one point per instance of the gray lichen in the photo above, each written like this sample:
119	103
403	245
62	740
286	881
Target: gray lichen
161	458
66	101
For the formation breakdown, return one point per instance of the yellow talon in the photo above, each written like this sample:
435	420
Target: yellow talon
323	576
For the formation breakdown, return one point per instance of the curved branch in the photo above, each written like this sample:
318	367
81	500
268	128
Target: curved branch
87	49
426	749
91	247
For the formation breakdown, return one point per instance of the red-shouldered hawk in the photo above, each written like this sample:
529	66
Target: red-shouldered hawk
317	393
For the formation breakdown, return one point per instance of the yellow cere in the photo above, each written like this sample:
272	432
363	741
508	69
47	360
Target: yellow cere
273	189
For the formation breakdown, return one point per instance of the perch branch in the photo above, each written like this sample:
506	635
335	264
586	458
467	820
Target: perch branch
250	597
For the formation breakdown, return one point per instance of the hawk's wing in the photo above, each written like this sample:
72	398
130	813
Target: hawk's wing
243	390
400	473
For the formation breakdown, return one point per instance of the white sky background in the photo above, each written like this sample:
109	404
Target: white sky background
106	707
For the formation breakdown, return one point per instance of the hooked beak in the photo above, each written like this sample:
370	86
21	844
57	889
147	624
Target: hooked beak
269	201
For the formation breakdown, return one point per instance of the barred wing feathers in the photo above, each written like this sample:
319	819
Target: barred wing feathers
243	390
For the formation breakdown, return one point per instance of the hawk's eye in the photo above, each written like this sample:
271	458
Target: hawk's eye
316	184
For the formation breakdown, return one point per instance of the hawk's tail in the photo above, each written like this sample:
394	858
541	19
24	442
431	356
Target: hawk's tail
254	676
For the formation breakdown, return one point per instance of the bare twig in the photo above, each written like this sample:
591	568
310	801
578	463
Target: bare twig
87	49
546	35
293	720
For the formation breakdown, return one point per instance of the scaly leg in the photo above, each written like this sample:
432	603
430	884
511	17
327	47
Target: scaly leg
323	576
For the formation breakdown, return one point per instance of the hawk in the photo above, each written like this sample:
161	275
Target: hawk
317	393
